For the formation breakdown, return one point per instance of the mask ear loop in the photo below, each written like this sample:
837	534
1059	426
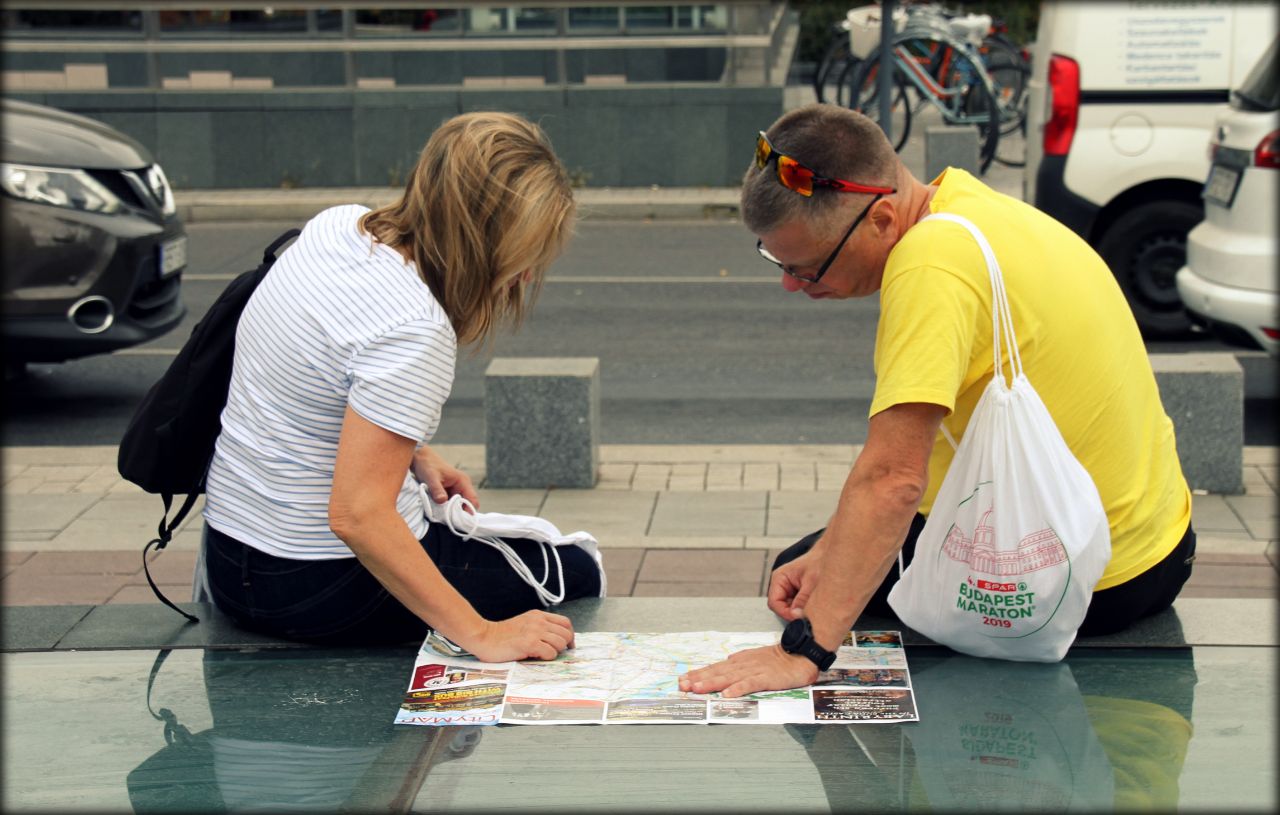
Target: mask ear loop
458	514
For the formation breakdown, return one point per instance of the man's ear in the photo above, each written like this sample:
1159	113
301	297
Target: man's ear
883	218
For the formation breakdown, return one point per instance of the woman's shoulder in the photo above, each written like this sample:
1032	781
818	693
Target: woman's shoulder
342	221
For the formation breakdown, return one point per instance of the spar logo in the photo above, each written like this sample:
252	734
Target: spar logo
987	585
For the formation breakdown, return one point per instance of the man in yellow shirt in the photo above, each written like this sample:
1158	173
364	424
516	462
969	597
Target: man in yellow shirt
837	211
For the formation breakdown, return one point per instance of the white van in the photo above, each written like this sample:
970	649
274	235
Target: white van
1122	100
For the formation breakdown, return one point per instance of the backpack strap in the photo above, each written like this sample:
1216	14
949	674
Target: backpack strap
174	731
163	536
269	254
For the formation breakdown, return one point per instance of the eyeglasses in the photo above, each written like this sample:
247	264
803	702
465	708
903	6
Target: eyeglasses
764	253
798	178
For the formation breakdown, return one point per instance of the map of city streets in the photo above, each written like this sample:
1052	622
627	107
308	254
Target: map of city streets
627	678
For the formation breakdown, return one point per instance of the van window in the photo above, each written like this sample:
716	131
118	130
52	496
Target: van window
1261	88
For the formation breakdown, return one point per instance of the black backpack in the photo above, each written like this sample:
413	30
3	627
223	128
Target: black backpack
169	443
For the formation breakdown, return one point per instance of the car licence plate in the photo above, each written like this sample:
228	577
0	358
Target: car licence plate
1221	186
173	256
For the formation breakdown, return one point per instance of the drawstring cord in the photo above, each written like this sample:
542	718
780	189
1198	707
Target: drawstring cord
458	514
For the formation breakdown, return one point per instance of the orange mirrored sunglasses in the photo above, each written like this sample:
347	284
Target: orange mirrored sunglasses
798	178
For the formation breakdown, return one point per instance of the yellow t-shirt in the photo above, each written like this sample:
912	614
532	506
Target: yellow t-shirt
1080	349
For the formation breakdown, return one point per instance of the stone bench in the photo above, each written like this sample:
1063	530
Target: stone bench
946	146
1204	396
542	422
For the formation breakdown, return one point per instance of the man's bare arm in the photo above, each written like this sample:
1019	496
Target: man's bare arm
876	507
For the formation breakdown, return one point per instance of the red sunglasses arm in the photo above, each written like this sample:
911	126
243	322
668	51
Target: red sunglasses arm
849	186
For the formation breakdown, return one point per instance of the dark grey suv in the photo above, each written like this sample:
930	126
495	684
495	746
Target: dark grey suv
93	251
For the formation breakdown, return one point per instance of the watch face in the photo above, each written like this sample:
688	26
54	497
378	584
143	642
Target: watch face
794	634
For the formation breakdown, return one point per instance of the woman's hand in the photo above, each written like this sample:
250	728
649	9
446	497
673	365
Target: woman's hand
532	635
443	480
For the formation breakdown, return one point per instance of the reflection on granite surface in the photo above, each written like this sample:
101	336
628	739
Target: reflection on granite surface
1077	735
286	736
310	729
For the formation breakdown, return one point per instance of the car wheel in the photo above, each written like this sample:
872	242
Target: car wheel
1145	248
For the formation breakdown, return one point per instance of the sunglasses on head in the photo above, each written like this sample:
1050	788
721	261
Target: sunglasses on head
798	178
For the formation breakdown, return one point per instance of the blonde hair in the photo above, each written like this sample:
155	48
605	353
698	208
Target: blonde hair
485	212
832	141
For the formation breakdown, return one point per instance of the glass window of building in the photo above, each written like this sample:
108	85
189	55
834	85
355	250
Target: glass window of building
593	18
71	22
641	17
542	20
401	22
254	22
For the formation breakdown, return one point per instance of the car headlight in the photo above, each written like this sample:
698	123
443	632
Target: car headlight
58	187
159	186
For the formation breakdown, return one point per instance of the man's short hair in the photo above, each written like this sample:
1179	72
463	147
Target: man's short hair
830	140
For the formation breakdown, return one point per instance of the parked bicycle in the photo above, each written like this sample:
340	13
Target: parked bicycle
937	59
951	57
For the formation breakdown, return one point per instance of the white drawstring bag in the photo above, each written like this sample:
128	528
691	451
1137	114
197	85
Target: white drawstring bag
489	528
1017	538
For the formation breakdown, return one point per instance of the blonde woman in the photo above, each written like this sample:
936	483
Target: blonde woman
344	358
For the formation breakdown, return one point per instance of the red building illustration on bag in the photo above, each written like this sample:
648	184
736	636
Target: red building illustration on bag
1039	550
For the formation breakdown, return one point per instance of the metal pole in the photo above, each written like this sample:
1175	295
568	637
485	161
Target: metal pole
885	77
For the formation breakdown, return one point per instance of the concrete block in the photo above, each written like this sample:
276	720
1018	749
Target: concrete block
542	422
1204	396
949	147
86	76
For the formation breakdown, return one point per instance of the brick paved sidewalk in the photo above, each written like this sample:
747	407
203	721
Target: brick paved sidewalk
673	520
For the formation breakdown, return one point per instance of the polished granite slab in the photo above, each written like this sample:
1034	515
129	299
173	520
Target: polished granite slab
1164	729
1177	713
1192	621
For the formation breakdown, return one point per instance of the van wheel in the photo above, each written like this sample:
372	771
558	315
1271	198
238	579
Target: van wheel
1145	248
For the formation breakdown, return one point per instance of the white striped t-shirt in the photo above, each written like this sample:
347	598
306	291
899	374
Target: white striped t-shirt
338	320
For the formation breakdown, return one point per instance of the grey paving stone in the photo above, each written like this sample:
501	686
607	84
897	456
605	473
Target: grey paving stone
38	628
688	589
603	514
1257	512
712	513
1212	513
42	513
701	565
511	502
796	514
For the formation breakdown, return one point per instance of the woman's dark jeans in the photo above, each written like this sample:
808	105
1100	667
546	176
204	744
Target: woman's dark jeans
1110	610
341	602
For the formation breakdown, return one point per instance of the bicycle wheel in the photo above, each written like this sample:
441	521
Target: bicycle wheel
832	65
1008	72
862	88
965	97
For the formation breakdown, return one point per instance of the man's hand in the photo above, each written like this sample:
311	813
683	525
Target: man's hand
752	671
443	480
791	584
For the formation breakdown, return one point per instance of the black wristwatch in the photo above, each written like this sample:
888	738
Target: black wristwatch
797	638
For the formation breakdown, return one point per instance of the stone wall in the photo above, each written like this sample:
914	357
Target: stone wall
607	136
